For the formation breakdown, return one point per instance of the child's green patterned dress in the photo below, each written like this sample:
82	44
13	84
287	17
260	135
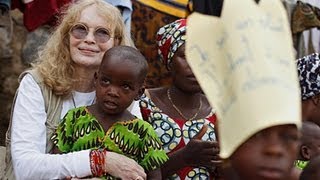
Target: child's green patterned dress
300	164
80	130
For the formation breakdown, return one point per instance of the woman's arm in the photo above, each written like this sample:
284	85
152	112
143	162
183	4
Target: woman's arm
28	145
176	162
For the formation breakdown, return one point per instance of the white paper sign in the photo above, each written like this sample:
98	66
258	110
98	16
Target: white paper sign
244	61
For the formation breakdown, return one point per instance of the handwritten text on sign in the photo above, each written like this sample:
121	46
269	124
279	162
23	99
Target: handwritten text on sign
244	63
233	52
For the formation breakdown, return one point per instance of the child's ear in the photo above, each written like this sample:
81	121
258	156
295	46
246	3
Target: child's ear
305	152
140	92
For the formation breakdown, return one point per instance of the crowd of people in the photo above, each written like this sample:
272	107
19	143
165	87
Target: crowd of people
83	111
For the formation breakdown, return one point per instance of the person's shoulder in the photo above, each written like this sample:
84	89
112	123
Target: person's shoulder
137	125
31	73
31	79
76	115
27	83
81	108
27	79
157	95
156	91
138	120
77	110
142	122
151	95
206	105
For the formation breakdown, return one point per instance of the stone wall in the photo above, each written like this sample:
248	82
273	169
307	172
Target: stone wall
2	159
11	65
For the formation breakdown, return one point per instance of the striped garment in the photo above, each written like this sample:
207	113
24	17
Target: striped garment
178	8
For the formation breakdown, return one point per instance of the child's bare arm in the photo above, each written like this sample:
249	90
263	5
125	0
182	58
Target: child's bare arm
55	150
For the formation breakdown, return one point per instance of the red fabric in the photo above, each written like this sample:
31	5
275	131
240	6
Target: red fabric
17	4
169	39
39	12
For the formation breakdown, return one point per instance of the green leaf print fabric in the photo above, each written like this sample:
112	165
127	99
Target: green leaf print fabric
136	139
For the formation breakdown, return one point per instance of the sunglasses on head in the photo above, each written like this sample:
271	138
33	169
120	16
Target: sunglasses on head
80	31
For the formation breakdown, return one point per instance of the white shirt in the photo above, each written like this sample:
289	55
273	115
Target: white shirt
28	133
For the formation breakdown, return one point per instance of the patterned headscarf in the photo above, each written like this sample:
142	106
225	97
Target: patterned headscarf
169	38
309	75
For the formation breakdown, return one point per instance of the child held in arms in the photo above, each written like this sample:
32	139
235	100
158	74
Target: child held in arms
107	123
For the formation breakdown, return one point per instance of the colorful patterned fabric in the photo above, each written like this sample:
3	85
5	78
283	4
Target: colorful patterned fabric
300	164
144	26
176	133
309	75
178	8
169	38
136	139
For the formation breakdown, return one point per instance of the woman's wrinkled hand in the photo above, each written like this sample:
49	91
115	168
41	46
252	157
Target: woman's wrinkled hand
123	167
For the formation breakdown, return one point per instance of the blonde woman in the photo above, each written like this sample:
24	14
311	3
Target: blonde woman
62	79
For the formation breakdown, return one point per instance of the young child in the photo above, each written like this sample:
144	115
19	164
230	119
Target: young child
268	154
107	123
309	144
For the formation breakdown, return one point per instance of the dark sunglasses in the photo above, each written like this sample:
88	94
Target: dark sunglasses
80	31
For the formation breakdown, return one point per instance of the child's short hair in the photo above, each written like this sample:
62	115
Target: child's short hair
129	54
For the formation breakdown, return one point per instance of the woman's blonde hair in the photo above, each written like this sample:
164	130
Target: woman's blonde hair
54	61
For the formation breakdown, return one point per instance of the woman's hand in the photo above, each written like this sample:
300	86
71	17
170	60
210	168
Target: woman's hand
123	167
196	153
201	153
